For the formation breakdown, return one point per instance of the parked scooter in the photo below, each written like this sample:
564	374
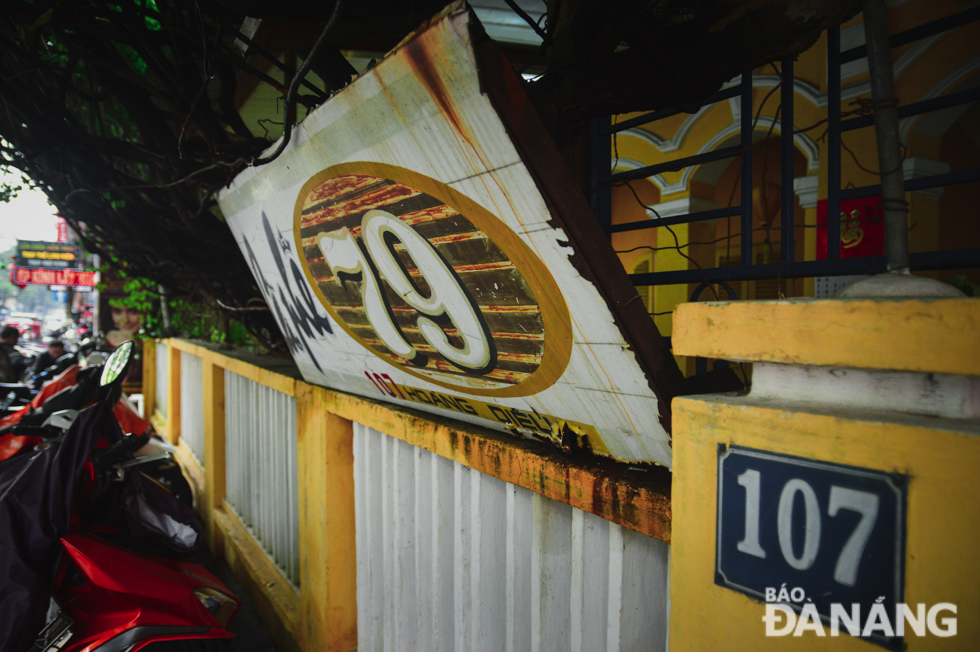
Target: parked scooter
14	396
72	510
163	470
35	378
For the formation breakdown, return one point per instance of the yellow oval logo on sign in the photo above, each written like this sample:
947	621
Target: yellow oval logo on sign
430	281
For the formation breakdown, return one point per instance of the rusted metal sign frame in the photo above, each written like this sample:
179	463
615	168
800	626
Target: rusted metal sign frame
603	377
594	257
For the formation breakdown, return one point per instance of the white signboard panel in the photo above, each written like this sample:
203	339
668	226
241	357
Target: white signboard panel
408	255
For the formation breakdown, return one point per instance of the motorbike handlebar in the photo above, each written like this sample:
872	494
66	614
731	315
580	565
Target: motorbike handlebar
104	459
23	429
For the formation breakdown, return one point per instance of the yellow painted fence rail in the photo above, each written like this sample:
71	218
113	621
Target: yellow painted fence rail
319	611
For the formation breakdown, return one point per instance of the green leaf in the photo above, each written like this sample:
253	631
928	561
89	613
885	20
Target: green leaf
44	18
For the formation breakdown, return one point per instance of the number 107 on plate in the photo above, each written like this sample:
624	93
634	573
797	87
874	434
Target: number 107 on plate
834	532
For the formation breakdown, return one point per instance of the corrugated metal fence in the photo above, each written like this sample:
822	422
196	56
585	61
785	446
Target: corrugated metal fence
260	450
192	404
452	559
405	547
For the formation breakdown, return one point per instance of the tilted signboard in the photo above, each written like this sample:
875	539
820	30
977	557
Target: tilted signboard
413	252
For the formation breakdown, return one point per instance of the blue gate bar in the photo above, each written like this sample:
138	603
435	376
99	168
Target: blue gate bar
700	216
922	31
935	104
922	183
679	164
746	115
918	261
653	116
833	143
786	240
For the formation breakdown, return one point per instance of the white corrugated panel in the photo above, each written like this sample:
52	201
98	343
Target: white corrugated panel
451	559
261	467
192	404
163	367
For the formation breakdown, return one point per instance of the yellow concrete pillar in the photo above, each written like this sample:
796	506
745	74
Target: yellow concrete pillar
840	494
214	451
173	394
328	563
149	379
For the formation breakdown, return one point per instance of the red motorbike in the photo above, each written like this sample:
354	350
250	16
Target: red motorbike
111	600
90	548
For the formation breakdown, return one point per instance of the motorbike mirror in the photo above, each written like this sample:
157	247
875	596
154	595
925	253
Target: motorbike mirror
63	363
96	358
117	364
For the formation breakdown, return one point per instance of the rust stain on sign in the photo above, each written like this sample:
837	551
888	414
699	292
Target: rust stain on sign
421	61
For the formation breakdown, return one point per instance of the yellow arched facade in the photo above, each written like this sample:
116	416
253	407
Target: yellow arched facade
935	142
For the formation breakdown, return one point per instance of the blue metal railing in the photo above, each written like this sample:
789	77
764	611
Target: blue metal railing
603	178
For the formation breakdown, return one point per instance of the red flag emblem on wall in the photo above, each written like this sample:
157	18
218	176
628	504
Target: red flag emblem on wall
862	228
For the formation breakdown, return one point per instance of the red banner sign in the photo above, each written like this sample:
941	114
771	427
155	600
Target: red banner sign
39	276
862	229
62	230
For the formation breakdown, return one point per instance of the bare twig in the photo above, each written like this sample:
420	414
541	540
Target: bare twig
294	86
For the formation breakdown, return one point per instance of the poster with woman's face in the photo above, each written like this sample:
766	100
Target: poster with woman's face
119	323
126	323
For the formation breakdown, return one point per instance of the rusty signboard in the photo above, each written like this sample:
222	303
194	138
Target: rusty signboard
420	243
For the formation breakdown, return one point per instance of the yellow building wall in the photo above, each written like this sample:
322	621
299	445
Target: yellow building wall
935	222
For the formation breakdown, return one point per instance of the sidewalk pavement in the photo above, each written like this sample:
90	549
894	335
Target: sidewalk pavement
250	632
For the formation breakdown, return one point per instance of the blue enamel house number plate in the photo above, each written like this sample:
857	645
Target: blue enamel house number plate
834	533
